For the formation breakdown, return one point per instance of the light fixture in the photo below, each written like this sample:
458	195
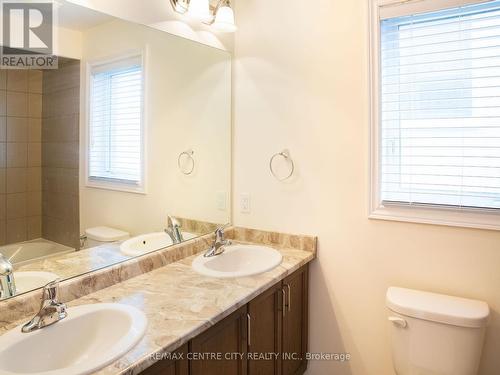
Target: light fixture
199	10
220	17
224	17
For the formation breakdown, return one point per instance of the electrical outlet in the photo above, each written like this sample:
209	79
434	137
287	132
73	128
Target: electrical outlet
245	203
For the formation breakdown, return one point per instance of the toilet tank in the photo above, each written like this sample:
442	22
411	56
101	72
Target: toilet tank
98	236
434	334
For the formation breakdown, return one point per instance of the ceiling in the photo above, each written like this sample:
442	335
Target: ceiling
74	17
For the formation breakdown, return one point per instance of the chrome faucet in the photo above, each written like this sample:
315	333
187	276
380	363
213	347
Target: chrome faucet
7	283
51	311
219	244
174	230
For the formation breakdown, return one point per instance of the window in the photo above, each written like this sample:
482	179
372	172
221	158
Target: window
115	152
436	113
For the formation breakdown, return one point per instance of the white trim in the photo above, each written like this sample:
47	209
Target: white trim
468	218
460	217
111	185
116	186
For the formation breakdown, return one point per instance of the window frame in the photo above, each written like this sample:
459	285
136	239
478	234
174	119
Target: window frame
109	184
424	214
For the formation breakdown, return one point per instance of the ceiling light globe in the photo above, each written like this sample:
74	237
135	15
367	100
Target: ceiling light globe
224	20
199	10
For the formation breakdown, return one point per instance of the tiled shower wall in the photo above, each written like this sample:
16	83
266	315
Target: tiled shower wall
39	154
60	153
20	155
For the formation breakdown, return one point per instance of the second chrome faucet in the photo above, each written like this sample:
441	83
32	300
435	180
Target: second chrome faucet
219	244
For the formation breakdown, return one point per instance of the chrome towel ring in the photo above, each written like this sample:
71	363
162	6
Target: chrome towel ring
286	155
189	155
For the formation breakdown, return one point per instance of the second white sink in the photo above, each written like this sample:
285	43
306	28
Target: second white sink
149	242
238	261
88	339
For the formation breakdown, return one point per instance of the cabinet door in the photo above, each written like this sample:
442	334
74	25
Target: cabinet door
264	333
171	367
295	322
229	337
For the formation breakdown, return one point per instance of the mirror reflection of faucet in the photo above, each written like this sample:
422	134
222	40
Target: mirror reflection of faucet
174	230
7	283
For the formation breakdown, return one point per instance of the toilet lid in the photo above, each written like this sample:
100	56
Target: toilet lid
106	234
439	308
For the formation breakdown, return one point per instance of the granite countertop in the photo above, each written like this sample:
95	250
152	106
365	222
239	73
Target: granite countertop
180	304
78	262
70	264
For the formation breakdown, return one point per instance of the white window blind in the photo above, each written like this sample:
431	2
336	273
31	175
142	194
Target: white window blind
440	108
115	127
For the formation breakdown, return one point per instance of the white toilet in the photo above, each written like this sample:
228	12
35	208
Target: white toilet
103	235
434	334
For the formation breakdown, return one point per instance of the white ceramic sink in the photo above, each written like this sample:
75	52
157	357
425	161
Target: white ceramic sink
149	242
238	261
88	339
29	280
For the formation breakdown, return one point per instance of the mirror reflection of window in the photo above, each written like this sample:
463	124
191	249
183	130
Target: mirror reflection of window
115	127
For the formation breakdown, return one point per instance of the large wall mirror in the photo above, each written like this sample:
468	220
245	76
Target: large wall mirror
124	149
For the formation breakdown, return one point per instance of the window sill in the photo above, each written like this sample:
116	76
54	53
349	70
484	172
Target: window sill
116	187
465	218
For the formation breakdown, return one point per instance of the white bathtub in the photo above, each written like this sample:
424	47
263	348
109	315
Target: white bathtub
34	249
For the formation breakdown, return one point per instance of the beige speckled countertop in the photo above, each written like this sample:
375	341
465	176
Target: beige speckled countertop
71	264
180	304
77	262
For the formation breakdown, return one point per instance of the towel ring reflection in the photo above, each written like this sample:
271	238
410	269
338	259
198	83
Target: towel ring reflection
189	154
286	155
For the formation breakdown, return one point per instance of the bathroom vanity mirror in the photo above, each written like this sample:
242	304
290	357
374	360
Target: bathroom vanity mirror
122	150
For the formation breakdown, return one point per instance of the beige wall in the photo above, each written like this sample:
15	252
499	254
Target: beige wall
301	82
68	43
188	106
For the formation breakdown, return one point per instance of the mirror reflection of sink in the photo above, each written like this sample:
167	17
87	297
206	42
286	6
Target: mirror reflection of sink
149	242
238	261
88	339
29	280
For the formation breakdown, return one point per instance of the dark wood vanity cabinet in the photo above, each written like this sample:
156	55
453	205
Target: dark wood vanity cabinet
295	322
278	323
228	341
171	367
268	336
265	319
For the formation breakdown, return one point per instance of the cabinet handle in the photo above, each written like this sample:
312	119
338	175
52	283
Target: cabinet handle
283	301
289	297
249	329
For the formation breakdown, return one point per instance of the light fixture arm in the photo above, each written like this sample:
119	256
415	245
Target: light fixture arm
180	6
